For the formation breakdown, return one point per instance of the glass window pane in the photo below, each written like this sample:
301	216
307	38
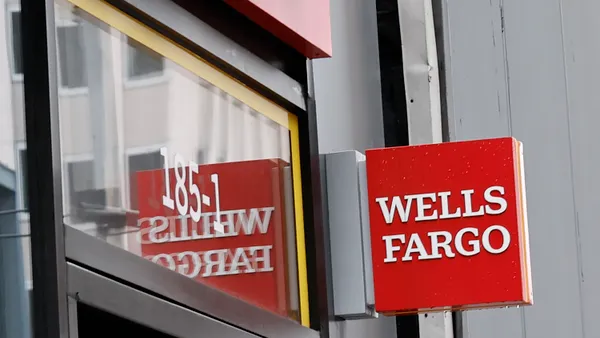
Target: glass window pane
15	255
180	172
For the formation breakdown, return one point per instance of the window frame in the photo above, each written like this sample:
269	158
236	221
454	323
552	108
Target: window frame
10	9
194	63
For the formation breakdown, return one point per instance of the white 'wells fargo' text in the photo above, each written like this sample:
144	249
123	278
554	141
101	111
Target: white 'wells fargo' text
437	206
217	262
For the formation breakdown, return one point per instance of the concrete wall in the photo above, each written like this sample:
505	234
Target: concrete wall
529	69
349	111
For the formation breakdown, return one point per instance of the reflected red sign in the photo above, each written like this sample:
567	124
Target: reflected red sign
245	254
449	226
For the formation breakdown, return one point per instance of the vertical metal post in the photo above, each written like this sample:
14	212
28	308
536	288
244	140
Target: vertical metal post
50	317
315	208
421	76
73	327
421	79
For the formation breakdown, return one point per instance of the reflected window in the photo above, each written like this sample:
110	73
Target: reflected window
90	196
71	55
16	57
201	156
142	62
137	163
81	179
22	158
15	261
81	176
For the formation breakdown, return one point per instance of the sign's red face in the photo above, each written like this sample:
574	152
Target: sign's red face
247	253
448	226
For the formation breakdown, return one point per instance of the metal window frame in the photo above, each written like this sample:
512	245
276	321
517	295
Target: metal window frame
49	268
106	294
315	207
178	289
201	34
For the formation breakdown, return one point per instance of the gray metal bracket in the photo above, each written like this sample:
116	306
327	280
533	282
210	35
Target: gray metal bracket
350	243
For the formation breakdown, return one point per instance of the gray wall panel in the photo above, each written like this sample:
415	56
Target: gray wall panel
349	111
545	72
538	105
582	52
348	86
477	97
477	107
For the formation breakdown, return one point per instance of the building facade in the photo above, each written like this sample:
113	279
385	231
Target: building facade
526	69
162	162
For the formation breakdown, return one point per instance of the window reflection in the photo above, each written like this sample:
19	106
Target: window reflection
231	220
69	36
15	258
142	62
14	17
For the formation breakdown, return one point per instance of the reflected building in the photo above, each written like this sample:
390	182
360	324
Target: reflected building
15	258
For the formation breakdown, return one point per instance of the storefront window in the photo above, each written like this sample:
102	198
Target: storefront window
168	158
15	257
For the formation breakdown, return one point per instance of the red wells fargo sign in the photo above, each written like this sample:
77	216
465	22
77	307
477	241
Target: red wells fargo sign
448	226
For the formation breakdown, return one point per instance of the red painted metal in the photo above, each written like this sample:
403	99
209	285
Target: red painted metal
302	24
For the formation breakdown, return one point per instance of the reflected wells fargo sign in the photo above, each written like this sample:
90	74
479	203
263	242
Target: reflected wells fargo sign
238	243
448	226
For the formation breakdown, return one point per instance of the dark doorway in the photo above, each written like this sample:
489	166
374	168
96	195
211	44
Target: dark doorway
93	322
